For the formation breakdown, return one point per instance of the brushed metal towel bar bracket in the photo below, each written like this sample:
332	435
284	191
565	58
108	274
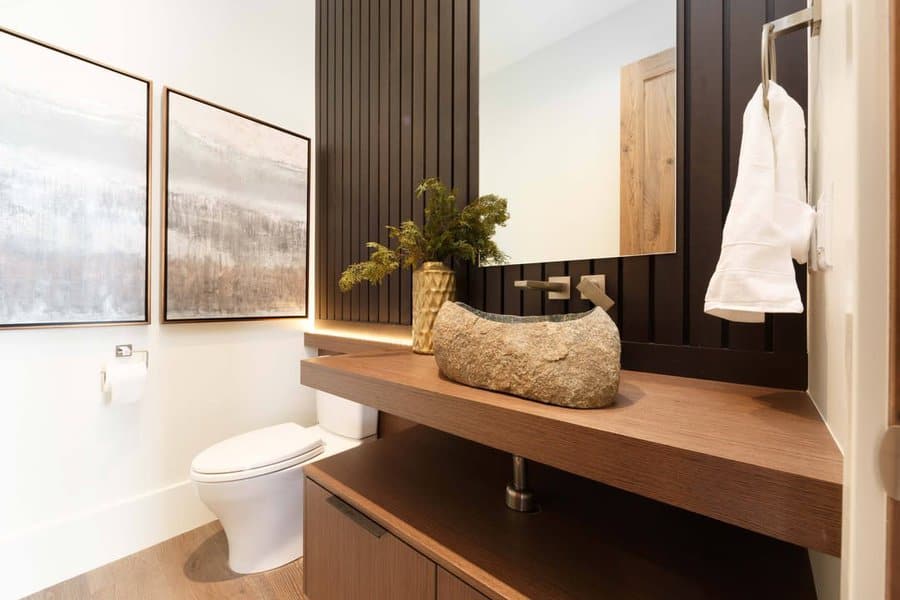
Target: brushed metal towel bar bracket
810	17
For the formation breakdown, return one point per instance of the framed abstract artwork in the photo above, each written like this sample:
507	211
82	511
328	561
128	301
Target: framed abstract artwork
74	188
236	232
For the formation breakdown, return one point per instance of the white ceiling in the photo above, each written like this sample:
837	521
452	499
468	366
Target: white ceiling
510	30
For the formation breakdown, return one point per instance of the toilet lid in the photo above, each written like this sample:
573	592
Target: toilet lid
255	449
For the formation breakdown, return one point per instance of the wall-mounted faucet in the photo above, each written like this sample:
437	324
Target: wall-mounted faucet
557	288
592	287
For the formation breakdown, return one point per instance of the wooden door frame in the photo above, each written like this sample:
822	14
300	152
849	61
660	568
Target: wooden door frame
892	571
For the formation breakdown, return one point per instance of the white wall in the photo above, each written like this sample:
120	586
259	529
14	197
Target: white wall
549	135
85	483
848	305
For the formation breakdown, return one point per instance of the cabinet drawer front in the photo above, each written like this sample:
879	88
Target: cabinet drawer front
451	587
356	516
348	556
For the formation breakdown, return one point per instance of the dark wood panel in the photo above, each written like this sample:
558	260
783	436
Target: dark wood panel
557	269
461	125
320	161
445	89
406	158
374	151
395	201
493	290
422	103
347	165
532	300
776	369
328	204
512	297
635	323
705	216
476	291
384	199
476	283
355	148
432	96
364	142
418	106
666	300
669	273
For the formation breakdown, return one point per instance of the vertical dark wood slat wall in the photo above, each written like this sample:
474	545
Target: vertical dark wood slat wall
397	87
355	147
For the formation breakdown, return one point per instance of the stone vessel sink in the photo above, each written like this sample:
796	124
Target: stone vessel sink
569	360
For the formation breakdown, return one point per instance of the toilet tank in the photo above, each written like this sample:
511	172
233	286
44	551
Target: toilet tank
344	417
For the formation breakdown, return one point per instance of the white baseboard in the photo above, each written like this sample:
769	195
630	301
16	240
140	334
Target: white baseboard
52	552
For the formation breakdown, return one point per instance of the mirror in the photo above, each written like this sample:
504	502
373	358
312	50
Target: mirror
577	126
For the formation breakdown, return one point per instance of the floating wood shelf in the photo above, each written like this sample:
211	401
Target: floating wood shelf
438	494
758	458
342	344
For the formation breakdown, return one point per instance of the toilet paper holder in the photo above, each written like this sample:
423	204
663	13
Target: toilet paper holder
125	351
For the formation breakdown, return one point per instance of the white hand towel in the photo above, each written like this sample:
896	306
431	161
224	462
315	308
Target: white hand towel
794	216
765	225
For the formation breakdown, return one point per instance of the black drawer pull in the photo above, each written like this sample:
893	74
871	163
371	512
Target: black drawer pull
357	517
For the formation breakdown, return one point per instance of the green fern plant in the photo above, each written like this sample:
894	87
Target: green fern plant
448	232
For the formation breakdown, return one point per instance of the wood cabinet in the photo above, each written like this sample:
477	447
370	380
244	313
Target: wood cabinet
421	515
348	556
450	587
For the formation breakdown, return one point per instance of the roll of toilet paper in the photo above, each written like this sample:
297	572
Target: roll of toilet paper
126	381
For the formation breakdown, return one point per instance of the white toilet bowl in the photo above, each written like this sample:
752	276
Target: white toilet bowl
260	519
253	483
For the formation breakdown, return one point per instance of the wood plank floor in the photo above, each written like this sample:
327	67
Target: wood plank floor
191	566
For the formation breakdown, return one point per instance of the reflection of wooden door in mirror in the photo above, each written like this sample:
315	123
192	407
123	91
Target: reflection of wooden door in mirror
647	189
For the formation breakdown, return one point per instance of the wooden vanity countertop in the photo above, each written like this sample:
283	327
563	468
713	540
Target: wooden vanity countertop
755	457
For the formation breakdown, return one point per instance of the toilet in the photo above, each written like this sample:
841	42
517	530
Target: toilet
253	482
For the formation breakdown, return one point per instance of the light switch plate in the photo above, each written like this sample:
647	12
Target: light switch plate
822	236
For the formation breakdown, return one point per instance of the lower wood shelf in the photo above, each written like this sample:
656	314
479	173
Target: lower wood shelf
443	497
755	457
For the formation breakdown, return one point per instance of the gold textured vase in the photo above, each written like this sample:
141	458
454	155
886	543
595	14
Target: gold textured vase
433	284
